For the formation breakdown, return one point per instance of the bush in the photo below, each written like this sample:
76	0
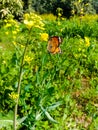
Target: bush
11	7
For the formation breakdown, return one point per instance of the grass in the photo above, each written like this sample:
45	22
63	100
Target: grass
58	92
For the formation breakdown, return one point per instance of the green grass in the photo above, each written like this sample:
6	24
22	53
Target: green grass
64	85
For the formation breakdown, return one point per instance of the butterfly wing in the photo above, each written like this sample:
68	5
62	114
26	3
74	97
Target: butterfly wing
57	50
53	45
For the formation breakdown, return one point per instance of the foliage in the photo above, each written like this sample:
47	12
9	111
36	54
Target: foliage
48	17
95	5
68	7
81	7
42	6
11	7
57	91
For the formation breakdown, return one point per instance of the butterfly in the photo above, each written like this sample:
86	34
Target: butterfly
54	45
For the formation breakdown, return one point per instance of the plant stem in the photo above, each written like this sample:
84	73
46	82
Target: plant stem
19	86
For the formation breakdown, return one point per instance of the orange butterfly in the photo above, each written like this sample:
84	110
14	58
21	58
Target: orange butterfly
54	45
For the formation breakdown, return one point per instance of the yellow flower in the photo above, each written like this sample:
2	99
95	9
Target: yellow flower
44	36
40	27
82	11
17	26
63	18
59	14
29	24
14	32
28	59
11	20
87	42
8	25
13	95
33	20
79	1
26	16
17	30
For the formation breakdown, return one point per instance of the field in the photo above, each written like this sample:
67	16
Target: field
52	91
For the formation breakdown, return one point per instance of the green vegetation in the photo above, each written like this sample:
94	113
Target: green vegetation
43	91
57	92
69	7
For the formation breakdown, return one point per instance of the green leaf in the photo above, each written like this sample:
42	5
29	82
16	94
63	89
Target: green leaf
21	120
38	116
6	123
49	117
52	107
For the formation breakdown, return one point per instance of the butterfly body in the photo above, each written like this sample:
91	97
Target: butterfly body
54	45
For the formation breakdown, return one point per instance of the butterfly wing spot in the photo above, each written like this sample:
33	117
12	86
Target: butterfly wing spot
50	46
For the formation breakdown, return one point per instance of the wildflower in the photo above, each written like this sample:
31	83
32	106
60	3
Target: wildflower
12	21
59	14
44	36
13	95
87	42
17	26
81	11
29	24
28	59
79	1
33	20
38	26
26	16
17	30
8	25
14	32
63	18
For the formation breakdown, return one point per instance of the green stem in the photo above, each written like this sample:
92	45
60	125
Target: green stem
19	86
